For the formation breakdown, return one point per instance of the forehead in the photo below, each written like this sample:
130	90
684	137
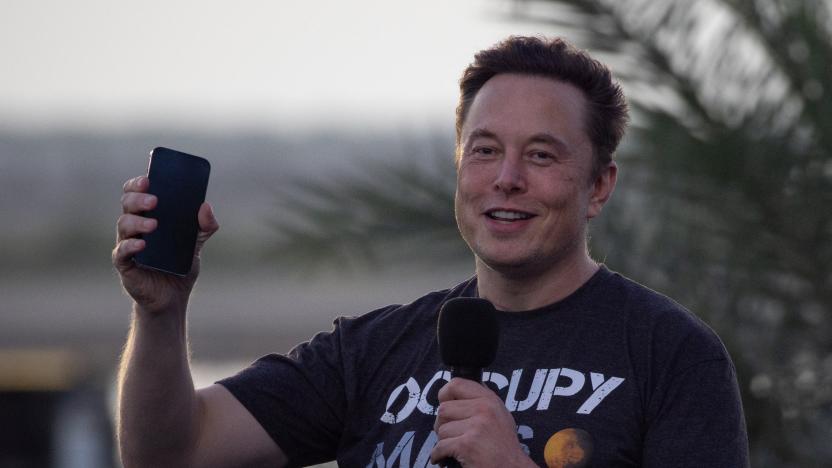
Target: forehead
518	105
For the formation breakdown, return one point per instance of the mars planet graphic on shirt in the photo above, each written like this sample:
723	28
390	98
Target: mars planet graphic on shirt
569	448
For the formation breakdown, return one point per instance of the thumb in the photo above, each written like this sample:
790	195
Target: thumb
207	219
208	225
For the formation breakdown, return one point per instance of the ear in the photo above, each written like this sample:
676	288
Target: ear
601	189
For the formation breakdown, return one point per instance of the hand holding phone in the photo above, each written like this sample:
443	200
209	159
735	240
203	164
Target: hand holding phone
154	291
179	182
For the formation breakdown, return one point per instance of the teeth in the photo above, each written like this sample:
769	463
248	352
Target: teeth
508	215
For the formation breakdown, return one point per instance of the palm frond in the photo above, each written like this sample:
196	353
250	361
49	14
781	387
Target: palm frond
377	213
732	151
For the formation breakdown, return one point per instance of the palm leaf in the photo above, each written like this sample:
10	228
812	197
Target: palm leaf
732	151
377	214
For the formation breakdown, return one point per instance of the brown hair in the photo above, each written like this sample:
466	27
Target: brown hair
558	60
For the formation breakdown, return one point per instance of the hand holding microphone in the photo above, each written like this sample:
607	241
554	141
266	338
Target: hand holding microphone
468	336
474	427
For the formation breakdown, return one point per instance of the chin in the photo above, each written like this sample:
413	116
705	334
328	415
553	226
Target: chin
515	267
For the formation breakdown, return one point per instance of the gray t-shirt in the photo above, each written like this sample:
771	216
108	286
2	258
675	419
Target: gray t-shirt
613	375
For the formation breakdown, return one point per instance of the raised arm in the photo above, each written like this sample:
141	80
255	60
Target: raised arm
162	420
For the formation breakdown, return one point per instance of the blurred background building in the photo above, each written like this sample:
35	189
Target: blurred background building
329	126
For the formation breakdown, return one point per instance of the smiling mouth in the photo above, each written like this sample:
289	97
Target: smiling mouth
505	215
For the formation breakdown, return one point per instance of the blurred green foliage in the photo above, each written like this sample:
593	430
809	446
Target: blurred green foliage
732	142
377	213
724	201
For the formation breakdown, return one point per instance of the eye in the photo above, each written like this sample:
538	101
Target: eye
483	151
543	157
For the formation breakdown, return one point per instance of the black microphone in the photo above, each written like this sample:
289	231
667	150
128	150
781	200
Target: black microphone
468	335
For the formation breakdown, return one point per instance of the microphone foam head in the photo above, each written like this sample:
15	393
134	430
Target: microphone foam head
467	332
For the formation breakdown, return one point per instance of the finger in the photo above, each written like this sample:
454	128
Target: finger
130	225
137	202
136	184
208	225
124	252
444	450
451	429
463	389
467	410
207	219
455	410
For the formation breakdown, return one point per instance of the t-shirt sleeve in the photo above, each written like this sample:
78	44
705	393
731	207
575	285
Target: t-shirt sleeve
299	398
697	418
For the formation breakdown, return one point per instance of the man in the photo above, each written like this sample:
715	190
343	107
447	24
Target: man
592	368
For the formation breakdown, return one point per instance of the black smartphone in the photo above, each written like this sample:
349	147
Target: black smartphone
179	181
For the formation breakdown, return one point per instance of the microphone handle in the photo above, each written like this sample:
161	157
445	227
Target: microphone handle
449	463
470	373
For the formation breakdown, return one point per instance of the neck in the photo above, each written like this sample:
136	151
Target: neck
517	290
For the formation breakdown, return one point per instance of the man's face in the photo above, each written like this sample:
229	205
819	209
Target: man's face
524	193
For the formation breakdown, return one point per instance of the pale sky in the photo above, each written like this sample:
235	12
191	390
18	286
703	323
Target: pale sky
201	63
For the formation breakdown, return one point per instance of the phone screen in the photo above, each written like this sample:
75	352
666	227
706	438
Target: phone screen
179	181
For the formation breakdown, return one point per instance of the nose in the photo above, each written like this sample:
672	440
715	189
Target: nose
510	178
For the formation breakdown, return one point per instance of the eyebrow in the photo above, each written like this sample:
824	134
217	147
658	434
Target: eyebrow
549	139
481	133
